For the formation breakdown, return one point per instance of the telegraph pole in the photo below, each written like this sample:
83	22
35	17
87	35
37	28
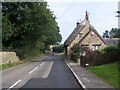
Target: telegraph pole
118	14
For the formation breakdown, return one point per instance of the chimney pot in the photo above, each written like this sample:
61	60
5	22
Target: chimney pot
78	23
86	15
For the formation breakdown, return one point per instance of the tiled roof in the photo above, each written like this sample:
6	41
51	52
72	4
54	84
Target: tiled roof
77	30
74	34
91	28
111	41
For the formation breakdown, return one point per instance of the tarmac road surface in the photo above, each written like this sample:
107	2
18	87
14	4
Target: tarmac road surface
49	71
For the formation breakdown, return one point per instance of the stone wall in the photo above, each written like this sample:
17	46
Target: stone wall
92	40
8	57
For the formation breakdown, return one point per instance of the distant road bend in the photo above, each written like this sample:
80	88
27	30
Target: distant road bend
49	71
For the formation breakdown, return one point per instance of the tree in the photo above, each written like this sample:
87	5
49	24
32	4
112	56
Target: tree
115	33
58	48
106	34
7	30
32	27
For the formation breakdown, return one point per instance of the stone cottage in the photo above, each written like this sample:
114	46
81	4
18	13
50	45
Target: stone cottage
85	35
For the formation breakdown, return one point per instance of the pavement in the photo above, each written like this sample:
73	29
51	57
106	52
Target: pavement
87	79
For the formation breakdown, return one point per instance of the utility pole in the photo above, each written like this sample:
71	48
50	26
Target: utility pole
118	12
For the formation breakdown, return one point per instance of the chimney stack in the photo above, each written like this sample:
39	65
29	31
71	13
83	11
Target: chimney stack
86	15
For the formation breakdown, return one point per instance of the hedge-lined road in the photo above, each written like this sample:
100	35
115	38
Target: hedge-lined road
50	71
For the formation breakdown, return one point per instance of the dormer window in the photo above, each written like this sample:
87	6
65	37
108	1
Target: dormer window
80	35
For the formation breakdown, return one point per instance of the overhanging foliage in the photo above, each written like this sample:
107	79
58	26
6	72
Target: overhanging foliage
28	27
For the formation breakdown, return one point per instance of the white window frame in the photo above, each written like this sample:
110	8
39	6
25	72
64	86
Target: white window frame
96	47
80	35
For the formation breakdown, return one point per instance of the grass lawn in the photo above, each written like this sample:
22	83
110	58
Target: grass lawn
107	72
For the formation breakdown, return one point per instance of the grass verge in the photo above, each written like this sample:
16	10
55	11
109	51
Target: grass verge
8	65
107	72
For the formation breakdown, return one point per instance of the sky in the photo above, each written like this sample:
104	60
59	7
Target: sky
101	14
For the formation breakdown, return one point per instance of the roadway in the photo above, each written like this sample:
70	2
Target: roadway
48	71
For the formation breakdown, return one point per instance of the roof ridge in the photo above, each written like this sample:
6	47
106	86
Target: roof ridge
97	33
91	26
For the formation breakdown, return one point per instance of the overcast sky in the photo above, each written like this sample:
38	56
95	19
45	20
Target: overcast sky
102	14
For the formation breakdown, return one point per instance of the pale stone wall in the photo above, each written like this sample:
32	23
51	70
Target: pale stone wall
85	29
90	40
75	41
93	39
77	38
8	57
68	51
84	32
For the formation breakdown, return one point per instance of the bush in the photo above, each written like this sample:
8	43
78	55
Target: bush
111	53
58	49
107	55
20	53
119	43
113	49
75	52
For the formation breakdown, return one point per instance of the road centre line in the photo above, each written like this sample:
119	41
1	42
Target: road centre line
33	70
14	84
42	63
21	79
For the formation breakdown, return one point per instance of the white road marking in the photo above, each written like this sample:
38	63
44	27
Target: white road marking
14	84
48	69
33	70
42	63
80	82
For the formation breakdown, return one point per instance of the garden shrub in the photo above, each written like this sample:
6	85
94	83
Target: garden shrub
75	52
111	53
112	49
59	49
107	55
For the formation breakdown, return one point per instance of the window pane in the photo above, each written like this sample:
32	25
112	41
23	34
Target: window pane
80	35
96	47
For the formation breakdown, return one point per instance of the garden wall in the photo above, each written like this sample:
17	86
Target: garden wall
8	57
